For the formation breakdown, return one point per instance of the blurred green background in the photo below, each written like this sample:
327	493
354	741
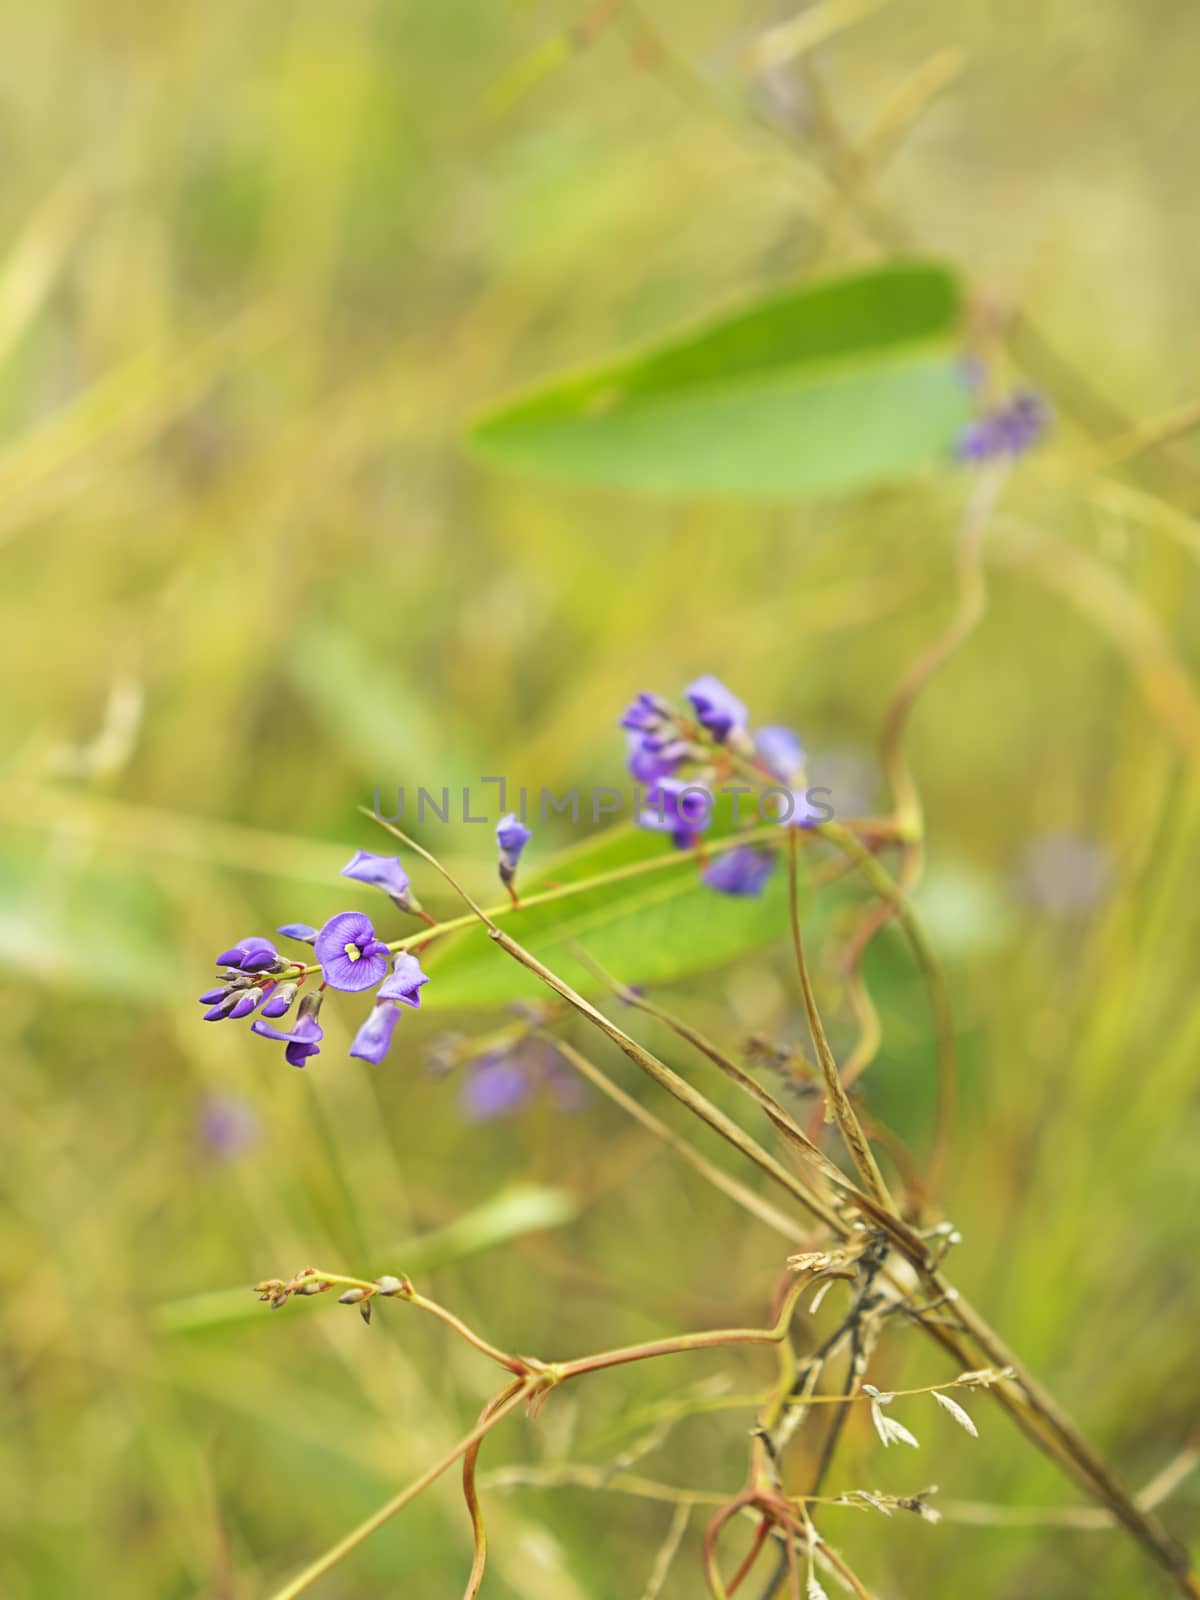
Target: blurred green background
260	265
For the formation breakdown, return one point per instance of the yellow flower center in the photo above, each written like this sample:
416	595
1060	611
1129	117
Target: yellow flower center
352	951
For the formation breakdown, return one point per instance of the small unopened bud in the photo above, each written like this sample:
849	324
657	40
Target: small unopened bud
279	1002
390	1285
352	1297
310	1005
245	1004
511	838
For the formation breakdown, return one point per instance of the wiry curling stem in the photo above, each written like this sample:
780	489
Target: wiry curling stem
1035	1410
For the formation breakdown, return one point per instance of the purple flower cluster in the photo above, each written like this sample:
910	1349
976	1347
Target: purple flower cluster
348	955
680	756
506	1073
657	747
1007	430
743	871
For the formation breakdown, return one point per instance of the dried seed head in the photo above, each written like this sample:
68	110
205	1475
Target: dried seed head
983	1378
889	1430
956	1411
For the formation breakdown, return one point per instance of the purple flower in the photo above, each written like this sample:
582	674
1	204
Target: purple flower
405	982
512	836
804	813
300	931
743	871
351	957
496	1087
683	810
235	1000
303	1039
649	713
374	1039
656	749
250	955
652	757
780	751
228	1125
1008	430
716	708
382	872
279	1001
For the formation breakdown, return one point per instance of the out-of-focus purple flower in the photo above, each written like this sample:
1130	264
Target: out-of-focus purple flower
496	1087
228	1126
780	751
1063	874
649	713
250	955
652	758
506	1075
374	1039
303	1039
351	957
299	931
683	810
805	812
405	981
717	708
511	837
279	1002
1008	430
655	747
743	871
382	872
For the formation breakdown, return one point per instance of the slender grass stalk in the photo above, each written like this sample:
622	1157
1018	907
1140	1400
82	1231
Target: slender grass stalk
843	1111
344	1547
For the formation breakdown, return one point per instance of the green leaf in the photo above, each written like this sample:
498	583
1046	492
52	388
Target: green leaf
829	387
82	924
642	926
